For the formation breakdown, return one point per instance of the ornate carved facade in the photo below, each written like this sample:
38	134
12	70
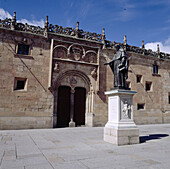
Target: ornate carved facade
52	76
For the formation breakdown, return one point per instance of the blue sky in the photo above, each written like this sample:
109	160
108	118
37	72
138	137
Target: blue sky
147	20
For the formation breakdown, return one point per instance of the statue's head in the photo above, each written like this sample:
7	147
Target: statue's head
117	46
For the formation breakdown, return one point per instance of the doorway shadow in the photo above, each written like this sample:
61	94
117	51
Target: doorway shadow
143	139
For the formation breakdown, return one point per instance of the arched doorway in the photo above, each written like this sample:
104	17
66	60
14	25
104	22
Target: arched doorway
73	100
71	105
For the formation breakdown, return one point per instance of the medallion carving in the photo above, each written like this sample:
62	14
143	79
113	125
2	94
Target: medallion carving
91	57
60	52
73	81
76	52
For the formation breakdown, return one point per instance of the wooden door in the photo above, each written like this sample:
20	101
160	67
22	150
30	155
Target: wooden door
63	107
79	106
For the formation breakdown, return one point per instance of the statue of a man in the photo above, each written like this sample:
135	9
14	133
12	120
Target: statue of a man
119	66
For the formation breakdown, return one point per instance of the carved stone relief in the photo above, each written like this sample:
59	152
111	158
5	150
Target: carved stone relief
126	108
56	67
76	52
60	52
94	73
73	81
91	57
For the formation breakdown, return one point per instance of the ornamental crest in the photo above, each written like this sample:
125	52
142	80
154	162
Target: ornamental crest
77	52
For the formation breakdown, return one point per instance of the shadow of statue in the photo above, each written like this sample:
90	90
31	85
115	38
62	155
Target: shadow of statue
143	139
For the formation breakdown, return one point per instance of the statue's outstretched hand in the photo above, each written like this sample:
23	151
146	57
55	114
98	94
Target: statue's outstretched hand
106	63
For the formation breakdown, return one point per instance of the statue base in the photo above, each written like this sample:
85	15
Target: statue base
120	128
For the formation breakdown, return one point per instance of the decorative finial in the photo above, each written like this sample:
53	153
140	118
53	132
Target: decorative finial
77	27
158	50
46	19
125	42
13	21
46	22
77	30
103	32
46	26
103	38
143	46
14	16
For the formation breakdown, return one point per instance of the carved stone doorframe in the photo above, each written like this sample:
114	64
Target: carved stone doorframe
73	79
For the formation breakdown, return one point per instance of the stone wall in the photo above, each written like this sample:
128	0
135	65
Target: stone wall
31	107
57	60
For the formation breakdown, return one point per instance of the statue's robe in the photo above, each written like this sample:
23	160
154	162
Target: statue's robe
119	66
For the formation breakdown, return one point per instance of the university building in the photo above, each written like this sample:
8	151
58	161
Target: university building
54	76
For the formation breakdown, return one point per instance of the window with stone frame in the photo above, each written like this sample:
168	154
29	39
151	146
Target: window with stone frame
140	106
23	49
138	78
148	86
155	69
20	83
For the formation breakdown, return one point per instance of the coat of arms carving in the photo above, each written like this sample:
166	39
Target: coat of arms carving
77	52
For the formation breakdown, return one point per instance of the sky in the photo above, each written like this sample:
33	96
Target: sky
147	20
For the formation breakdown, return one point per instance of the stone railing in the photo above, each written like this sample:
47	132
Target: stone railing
139	50
74	32
79	33
30	28
12	24
6	23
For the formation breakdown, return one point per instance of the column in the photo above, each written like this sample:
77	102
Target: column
72	123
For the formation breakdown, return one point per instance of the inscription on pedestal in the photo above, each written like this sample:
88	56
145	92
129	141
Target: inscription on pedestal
113	107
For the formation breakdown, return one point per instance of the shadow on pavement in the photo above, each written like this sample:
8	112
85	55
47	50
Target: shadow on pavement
143	139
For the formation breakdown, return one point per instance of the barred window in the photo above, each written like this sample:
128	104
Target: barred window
155	69
23	49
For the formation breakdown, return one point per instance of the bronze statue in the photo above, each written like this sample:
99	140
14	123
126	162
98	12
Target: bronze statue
119	66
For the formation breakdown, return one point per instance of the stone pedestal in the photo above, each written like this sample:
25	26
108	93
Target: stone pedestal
89	119
120	128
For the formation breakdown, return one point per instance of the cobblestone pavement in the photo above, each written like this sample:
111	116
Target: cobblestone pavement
83	148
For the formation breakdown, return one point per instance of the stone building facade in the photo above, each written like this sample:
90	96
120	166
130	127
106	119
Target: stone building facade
55	77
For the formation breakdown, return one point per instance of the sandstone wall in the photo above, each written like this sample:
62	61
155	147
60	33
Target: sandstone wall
33	106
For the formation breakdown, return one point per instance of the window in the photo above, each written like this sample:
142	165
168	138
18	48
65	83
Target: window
155	69
23	49
138	78
169	97
20	83
140	106
148	86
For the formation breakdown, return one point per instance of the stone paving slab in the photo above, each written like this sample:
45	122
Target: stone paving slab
83	148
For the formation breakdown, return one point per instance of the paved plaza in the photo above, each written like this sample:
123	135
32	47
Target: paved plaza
83	148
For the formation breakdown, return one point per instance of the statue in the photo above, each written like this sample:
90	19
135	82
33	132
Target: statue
119	66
